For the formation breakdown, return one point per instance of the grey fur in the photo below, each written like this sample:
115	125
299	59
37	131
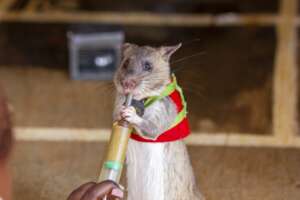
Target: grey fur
152	123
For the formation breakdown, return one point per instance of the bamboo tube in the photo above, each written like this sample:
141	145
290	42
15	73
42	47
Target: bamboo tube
115	157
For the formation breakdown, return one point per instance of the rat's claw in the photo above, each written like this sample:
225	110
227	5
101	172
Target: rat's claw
130	115
127	110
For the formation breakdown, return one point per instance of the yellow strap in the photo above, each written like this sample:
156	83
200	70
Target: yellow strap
182	114
171	87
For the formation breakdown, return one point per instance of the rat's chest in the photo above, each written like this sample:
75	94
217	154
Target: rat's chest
153	157
146	170
169	114
155	169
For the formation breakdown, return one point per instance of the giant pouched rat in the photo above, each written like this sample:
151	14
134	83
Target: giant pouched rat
155	171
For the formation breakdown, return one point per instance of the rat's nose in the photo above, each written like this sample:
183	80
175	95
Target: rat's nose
129	84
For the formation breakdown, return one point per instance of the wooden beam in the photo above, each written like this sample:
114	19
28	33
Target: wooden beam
143	18
285	78
240	140
60	134
102	135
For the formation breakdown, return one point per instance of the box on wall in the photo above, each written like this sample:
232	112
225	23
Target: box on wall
94	56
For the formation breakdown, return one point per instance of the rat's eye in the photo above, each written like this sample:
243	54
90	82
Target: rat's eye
147	66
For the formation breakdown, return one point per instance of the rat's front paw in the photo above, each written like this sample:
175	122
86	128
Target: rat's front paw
130	115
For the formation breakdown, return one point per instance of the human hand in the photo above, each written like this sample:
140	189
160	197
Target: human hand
97	191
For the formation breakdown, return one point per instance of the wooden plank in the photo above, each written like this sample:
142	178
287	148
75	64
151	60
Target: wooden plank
285	77
143	18
61	134
5	5
243	140
98	135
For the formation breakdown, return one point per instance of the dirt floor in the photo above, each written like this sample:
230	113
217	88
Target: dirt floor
49	171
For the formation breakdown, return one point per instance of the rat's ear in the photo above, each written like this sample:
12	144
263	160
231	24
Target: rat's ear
167	51
126	48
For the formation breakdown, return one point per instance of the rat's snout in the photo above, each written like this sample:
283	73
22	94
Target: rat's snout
128	85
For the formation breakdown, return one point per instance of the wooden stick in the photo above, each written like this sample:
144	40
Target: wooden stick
285	106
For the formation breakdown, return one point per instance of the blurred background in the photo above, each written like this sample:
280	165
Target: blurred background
237	67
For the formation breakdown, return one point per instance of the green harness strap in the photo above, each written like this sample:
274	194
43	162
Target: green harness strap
170	88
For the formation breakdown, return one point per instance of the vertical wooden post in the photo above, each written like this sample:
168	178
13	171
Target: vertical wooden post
285	77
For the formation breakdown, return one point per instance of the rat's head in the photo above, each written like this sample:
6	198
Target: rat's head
144	71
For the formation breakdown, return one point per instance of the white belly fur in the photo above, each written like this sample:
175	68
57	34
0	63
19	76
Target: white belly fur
160	171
